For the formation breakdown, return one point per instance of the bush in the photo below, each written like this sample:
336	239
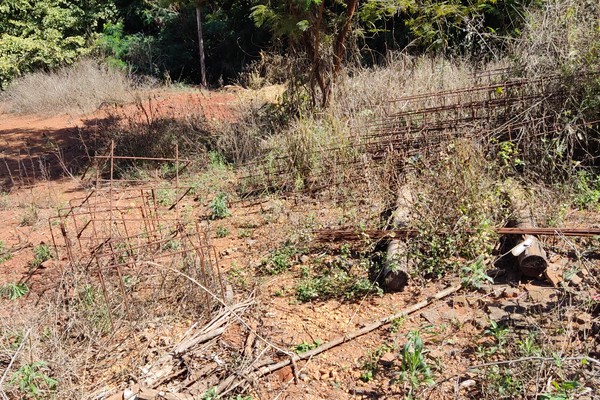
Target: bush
82	87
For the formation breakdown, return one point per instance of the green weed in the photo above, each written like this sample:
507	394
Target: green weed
279	260
219	208
41	254
341	279
414	368
5	255
30	216
13	291
33	381
474	274
370	364
222	231
587	191
304	347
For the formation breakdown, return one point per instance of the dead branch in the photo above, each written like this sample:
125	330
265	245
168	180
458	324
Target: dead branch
353	335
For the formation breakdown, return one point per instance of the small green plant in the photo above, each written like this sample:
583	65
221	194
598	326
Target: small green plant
218	207
210	394
222	231
165	197
563	391
5	255
33	381
13	291
508	154
474	274
216	160
41	254
172	244
396	324
414	368
280	260
499	333
245	233
587	191
30	216
370	364
528	346
304	347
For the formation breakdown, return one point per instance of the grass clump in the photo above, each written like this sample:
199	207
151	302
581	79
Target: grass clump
5	255
81	87
13	291
279	261
41	254
33	380
343	278
219	207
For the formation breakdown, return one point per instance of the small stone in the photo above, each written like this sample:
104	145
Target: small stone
497	313
583	318
433	317
468	383
304	259
304	377
553	275
324	377
576	280
511	293
460	301
387	360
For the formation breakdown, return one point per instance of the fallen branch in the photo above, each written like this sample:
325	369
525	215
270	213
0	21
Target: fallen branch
353	335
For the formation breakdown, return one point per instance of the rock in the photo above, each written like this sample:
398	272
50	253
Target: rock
511	293
576	280
460	301
466	384
553	275
540	295
304	259
583	318
497	313
387	360
432	316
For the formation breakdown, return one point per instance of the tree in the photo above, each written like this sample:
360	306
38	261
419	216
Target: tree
46	34
307	25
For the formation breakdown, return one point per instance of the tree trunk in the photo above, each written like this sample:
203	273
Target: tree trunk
201	46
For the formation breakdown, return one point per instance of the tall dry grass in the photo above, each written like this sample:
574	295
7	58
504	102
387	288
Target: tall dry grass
81	87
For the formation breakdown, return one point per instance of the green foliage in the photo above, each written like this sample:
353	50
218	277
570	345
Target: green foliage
370	363
218	207
497	331
46	34
210	394
280	260
563	391
503	383
414	368
222	231
474	274
344	278
41	254
13	291
5	255
304	347
32	380
587	190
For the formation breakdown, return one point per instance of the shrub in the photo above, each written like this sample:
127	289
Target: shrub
81	87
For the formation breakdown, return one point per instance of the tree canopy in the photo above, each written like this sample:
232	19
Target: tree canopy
159	37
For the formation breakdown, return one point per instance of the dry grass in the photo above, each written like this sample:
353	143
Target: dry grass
81	88
562	36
